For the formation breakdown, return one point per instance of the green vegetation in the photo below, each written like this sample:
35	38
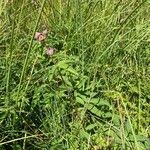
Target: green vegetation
93	92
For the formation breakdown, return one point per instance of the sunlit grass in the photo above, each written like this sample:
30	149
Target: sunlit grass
93	92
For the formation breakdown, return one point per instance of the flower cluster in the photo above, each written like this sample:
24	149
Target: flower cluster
40	37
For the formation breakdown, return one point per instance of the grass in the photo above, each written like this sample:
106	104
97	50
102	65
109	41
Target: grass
93	93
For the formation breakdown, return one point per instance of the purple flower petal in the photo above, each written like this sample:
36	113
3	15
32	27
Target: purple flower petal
41	36
50	51
37	34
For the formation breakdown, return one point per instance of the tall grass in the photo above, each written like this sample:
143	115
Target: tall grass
93	93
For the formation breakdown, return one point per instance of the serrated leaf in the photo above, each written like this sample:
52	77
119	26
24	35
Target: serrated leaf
139	138
107	115
66	80
116	120
84	134
127	127
100	102
73	71
62	65
80	100
91	126
94	110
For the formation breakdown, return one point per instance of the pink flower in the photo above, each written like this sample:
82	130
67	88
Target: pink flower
41	36
50	51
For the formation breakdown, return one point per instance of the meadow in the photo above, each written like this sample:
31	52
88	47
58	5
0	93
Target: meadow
74	74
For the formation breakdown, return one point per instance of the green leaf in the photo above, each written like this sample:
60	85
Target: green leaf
107	115
84	134
73	71
94	110
116	120
80	100
91	126
66	80
99	102
62	65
